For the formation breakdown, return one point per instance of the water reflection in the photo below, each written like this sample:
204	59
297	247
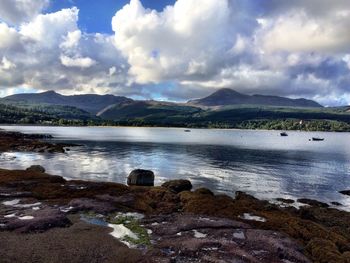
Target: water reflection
280	170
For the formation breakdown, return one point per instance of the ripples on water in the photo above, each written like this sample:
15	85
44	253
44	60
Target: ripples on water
258	162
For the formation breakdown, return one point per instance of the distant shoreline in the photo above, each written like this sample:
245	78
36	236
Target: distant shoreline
164	127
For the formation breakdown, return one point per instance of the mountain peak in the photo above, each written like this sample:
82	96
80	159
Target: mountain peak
220	97
50	92
226	90
226	97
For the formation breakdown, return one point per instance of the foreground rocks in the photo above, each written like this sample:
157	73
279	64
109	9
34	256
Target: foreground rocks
41	221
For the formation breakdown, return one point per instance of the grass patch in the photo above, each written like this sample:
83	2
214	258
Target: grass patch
133	224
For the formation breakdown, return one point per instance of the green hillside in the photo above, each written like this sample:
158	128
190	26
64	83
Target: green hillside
25	113
244	117
147	110
154	113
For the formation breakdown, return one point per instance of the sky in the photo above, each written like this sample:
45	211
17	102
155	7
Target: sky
177	49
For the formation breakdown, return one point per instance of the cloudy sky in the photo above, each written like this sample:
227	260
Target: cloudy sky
177	50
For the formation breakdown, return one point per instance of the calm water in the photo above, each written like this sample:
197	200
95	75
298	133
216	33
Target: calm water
259	162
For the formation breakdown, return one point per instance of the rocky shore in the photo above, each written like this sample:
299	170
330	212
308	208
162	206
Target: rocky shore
16	141
45	218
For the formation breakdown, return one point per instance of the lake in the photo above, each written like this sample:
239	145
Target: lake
258	162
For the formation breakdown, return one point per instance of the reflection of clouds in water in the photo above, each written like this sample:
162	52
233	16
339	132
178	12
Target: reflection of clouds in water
18	160
266	173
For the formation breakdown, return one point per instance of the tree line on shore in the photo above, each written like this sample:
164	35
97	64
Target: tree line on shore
240	118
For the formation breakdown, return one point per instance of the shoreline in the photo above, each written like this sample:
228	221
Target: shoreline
166	127
17	141
153	223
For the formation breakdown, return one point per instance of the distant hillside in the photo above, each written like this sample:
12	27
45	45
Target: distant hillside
24	113
224	97
146	110
89	102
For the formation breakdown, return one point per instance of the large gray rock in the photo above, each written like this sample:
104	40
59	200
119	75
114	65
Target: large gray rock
36	168
141	177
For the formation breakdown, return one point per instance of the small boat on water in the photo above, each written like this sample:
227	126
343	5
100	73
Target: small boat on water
284	134
187	130
316	139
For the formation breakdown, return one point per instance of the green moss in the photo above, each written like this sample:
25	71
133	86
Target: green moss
134	225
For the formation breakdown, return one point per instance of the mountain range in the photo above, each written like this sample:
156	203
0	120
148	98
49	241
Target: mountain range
92	103
224	108
109	105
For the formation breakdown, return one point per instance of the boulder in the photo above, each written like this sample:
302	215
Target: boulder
178	186
141	177
36	168
204	191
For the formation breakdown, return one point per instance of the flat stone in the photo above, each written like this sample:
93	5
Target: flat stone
37	220
192	238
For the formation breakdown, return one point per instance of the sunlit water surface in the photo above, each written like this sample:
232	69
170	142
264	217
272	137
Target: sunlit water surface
259	162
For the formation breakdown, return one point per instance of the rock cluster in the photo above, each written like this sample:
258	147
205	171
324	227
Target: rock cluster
16	141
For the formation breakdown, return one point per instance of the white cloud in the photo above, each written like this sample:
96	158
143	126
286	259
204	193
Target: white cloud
71	40
346	59
77	62
17	11
7	64
50	29
244	78
297	31
51	52
8	37
186	39
112	71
